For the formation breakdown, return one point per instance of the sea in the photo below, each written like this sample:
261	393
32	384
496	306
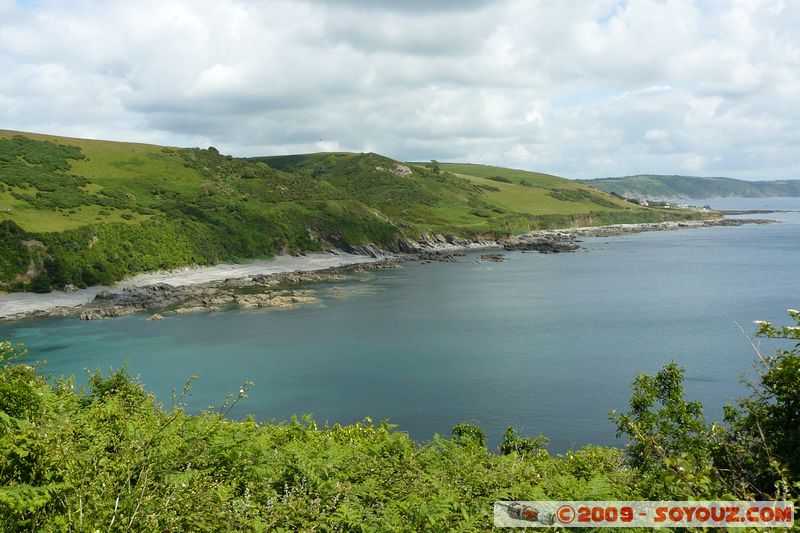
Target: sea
543	343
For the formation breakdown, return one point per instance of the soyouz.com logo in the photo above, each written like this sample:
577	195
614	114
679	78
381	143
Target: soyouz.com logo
666	514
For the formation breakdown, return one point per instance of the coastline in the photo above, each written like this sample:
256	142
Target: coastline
276	282
15	306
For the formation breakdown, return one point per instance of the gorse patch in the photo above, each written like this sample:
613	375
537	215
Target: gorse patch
38	173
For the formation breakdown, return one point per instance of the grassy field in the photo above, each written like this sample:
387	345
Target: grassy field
535	193
83	212
111	168
537	179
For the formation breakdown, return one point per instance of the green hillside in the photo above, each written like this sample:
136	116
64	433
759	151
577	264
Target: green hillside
535	193
655	187
466	198
86	212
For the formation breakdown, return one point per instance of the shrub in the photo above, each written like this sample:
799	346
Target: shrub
669	441
19	384
515	443
14	256
754	454
469	434
762	445
41	283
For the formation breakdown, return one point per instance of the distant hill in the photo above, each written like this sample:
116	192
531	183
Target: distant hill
88	212
656	187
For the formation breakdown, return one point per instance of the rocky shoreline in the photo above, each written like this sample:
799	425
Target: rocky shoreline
277	290
446	248
286	289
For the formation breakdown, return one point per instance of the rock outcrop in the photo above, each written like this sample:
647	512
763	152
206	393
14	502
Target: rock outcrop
544	245
280	291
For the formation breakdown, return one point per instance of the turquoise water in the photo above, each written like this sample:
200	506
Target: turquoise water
546	343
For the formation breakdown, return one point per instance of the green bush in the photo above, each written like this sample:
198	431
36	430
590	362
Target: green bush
754	454
469	434
763	440
41	283
14	256
44	168
670	443
515	443
20	386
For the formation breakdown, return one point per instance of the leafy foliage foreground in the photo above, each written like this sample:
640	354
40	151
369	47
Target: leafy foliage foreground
109	457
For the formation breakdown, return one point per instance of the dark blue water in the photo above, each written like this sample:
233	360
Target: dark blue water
546	343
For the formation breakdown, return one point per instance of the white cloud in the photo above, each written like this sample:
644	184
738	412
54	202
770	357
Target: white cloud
8	8
656	135
578	89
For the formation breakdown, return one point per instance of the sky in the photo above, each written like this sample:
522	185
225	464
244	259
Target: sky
581	89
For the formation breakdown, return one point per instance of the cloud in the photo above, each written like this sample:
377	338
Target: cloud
412	6
7	8
577	89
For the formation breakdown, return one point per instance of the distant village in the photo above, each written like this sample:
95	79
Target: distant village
659	203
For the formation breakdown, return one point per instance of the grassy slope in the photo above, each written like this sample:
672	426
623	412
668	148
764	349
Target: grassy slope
655	187
418	201
487	171
105	209
541	194
463	197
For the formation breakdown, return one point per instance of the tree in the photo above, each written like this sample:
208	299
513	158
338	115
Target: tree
755	453
669	441
434	166
763	443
